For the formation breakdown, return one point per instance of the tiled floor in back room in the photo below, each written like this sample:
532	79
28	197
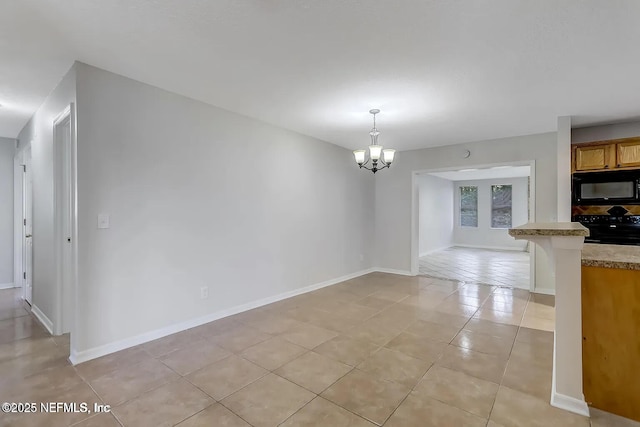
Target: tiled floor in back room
490	266
376	350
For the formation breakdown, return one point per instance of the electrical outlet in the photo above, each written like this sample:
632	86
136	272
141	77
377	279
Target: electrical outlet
361	257
204	292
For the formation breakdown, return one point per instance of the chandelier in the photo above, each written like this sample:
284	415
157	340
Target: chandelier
375	150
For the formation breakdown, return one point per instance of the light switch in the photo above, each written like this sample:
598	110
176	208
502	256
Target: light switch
103	220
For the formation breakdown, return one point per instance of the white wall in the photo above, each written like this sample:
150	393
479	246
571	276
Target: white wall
394	195
563	168
7	152
38	132
436	213
200	196
484	236
604	132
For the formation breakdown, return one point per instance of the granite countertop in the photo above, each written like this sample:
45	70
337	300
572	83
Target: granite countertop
550	229
626	257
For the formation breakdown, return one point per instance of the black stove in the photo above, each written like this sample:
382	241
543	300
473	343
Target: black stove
611	229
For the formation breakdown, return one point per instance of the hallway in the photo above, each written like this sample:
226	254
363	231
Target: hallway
25	346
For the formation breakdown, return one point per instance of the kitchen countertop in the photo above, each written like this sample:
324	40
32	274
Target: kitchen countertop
626	257
550	229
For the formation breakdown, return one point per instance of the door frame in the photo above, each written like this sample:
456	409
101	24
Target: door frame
27	209
65	296
415	219
18	220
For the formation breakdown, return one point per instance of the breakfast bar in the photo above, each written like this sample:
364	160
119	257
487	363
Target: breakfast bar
596	357
563	243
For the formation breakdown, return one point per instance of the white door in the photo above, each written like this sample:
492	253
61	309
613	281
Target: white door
63	216
27	199
63	139
18	217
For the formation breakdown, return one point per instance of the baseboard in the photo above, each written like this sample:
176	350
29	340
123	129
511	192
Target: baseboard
569	403
495	248
46	322
393	271
562	401
93	353
6	285
545	291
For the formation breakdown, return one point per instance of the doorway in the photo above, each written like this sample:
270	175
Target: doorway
64	249
460	222
23	223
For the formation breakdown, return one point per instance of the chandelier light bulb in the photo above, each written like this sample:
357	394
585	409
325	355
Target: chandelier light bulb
388	155
359	155
374	151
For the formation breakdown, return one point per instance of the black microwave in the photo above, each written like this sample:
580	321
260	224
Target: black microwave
606	188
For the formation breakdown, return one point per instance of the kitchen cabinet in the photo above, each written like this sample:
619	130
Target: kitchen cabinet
593	157
611	343
628	153
606	155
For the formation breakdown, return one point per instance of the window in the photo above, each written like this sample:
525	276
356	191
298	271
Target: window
500	206
469	206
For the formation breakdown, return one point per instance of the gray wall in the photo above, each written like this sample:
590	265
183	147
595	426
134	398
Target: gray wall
604	132
436	213
7	152
199	196
394	195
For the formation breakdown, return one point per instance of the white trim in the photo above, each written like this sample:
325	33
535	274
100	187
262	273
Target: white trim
58	220
74	227
570	404
415	224
7	285
563	401
18	216
42	318
532	218
545	291
415	255
394	271
26	199
92	353
495	248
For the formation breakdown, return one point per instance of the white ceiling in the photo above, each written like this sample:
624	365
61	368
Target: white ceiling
496	172
441	71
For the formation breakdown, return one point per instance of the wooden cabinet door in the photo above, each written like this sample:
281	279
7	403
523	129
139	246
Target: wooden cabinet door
610	346
628	154
592	157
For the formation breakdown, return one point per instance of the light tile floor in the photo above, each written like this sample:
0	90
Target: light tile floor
492	267
376	350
